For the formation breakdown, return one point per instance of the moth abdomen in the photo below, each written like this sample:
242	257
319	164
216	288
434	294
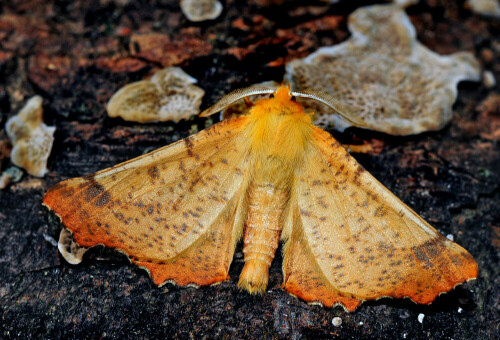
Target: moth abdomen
262	234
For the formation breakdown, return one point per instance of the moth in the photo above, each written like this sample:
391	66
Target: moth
265	177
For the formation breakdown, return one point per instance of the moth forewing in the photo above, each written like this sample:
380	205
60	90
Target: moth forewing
160	207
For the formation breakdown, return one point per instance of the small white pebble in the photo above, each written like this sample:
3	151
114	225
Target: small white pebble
489	80
420	317
450	237
361	323
336	322
460	309
404	335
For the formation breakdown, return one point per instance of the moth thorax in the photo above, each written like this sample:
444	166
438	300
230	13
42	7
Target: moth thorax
262	234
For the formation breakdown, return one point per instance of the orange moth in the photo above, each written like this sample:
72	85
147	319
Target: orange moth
266	177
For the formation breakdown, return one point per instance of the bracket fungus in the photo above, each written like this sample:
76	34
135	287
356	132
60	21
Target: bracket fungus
31	138
201	10
168	95
385	75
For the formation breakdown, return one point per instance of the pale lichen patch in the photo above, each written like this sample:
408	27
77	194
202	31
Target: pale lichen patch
168	95
31	138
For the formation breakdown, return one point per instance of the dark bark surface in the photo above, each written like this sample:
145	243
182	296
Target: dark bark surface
77	54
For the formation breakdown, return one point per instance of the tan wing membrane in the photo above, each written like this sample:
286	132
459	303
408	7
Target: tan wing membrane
172	211
357	240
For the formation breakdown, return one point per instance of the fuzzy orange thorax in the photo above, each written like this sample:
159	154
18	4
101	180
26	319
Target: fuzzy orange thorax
278	126
281	102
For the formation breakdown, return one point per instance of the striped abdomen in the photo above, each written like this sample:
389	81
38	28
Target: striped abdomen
262	233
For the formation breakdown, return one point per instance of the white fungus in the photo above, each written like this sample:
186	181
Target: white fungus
11	175
201	10
69	249
31	139
489	8
489	80
169	95
405	3
385	75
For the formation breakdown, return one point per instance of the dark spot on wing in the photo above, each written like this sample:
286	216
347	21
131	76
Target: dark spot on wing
96	193
189	148
153	173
